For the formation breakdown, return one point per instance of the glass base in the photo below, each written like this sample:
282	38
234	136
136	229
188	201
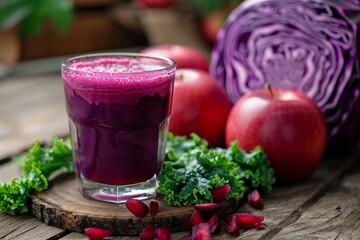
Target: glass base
118	194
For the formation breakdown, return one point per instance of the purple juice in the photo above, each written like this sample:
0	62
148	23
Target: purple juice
118	110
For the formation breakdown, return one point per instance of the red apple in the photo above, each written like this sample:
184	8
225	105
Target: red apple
155	3
184	56
286	124
200	105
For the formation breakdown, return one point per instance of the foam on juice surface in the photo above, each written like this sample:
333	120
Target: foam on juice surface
113	80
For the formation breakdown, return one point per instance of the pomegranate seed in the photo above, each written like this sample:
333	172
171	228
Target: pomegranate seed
207	206
229	218
154	206
194	219
162	234
248	220
148	233
201	232
137	207
232	227
220	193
97	233
214	224
254	199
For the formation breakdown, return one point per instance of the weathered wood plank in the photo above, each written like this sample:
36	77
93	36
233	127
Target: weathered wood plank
11	224
330	172
286	204
26	88
79	236
41	231
26	227
8	171
74	236
12	85
174	236
34	109
336	215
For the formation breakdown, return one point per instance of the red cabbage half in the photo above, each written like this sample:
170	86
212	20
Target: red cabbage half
308	45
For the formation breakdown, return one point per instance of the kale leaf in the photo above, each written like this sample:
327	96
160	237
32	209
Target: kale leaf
192	170
37	164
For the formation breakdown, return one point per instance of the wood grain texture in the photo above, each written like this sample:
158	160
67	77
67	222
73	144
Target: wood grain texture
32	108
336	215
63	206
74	236
79	236
26	227
9	171
286	203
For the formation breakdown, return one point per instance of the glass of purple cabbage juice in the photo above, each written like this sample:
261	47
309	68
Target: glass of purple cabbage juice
119	108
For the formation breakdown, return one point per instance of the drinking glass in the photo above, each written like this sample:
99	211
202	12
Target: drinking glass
119	108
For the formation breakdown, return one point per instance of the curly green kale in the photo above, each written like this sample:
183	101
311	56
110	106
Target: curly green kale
50	159
37	164
254	168
192	170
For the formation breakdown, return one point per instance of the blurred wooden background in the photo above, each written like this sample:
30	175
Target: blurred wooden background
114	24
93	29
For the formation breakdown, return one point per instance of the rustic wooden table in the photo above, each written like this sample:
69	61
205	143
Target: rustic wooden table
325	207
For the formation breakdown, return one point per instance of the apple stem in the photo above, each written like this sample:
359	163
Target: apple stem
269	90
180	77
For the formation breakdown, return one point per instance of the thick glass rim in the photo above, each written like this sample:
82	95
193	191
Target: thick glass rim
65	63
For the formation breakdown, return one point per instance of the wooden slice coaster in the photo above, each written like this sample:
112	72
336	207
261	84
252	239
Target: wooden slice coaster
63	206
